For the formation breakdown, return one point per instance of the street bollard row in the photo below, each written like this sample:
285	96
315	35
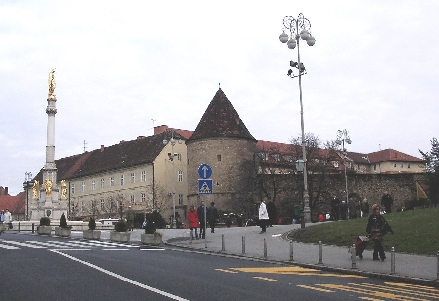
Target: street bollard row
291	253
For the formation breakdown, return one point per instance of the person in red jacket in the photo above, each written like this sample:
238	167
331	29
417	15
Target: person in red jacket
192	217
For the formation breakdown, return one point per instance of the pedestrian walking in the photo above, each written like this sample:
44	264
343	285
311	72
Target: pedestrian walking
263	216
377	227
8	218
364	207
130	218
272	213
192	217
387	202
201	218
343	210
212	216
335	207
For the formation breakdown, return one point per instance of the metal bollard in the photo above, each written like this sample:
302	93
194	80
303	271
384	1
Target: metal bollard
223	243
320	252
354	256
243	245
437	277
33	227
192	237
265	248
19	226
392	261
291	250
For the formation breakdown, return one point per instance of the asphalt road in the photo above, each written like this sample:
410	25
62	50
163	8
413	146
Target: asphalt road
51	268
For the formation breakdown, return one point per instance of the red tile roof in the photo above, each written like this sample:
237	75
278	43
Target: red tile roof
15	204
125	154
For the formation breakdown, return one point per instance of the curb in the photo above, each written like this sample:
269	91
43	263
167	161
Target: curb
321	267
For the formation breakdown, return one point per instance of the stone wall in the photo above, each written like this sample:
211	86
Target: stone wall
287	194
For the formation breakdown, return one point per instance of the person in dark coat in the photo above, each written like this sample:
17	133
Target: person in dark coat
272	214
200	213
377	227
212	216
343	210
387	202
335	208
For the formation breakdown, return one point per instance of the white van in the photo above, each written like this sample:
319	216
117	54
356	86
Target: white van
108	221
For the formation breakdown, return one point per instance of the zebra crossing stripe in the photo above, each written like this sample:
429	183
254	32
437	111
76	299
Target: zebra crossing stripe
9	247
23	244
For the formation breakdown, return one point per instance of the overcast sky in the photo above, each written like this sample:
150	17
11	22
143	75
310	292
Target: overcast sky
123	67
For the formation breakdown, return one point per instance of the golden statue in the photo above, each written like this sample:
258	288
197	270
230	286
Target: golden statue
35	189
63	189
52	84
48	185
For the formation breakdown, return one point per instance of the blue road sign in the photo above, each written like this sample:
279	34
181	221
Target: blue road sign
205	171
205	186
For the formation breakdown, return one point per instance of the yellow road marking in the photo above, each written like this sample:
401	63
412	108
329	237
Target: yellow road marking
404	289
417	286
370	292
370	299
226	271
266	279
316	288
294	271
276	270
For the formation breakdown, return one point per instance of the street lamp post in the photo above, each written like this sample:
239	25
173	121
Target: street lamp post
26	184
342	137
293	25
172	156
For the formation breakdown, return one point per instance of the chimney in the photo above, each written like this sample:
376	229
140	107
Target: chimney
160	129
102	148
6	190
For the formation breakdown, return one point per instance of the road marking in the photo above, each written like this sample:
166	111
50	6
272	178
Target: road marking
266	279
153	249
226	271
9	247
315	288
147	287
22	244
294	271
369	292
115	249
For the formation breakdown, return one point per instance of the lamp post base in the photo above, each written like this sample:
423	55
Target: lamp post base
306	209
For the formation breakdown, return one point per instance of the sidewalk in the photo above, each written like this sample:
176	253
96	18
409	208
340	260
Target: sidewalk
408	268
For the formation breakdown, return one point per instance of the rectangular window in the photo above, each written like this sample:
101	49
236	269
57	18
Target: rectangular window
82	206
408	165
143	176
180	199
111	181
72	188
335	164
402	165
132	178
102	204
394	165
143	197
374	167
179	157
121	180
180	176
83	186
93	185
102	183
132	198
218	157
276	157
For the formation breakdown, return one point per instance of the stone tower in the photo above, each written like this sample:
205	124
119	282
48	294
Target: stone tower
46	199
222	140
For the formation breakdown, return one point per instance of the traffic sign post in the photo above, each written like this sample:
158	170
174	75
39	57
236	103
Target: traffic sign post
205	186
205	171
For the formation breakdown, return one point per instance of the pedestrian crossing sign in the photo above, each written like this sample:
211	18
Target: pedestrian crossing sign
205	186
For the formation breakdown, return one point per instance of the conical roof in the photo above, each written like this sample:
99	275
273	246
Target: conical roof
220	120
